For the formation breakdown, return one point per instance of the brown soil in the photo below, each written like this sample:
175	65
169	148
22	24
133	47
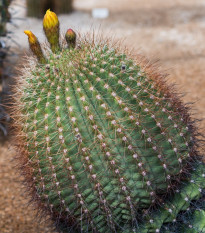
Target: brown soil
171	30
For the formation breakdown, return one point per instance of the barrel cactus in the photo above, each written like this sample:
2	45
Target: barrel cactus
4	19
104	144
4	16
36	8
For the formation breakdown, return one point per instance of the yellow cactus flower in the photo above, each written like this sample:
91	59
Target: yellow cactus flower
35	46
50	19
51	29
31	37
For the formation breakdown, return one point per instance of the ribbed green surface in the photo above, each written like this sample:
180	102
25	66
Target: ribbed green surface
182	200
104	142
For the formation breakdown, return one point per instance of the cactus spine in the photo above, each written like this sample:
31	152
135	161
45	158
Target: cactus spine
105	145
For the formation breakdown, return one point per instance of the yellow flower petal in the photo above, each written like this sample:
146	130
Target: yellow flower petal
50	19
31	37
35	46
51	28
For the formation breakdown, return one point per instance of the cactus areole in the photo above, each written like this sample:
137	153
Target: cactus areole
104	143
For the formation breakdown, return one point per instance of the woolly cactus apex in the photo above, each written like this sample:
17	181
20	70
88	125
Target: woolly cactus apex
35	46
70	37
51	29
105	145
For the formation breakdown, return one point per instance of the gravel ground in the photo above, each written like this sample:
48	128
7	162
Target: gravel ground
172	31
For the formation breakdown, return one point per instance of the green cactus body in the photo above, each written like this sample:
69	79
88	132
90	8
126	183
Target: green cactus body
4	16
36	8
106	142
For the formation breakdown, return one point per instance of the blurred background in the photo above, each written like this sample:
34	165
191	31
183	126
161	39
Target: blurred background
171	31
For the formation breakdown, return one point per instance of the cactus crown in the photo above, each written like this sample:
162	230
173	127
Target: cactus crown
106	146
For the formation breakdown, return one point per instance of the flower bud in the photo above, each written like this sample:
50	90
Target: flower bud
35	46
51	29
70	37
